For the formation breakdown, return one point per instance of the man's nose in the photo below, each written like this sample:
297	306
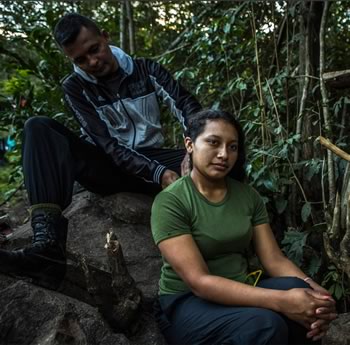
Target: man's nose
92	60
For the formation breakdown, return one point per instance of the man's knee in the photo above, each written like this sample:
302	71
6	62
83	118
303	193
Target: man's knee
37	123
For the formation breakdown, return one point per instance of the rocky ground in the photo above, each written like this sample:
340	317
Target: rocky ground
30	314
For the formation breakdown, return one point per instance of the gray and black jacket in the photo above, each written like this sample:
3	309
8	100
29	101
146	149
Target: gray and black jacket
123	121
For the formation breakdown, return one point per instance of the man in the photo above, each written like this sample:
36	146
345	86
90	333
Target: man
115	100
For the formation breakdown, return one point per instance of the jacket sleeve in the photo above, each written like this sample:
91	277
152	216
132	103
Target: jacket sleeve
125	158
180	102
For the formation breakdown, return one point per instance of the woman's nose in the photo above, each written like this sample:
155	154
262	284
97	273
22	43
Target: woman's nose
223	153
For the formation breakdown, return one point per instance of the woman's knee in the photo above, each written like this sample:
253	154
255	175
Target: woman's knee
283	283
268	327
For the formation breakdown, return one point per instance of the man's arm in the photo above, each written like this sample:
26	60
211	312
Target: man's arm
180	102
124	157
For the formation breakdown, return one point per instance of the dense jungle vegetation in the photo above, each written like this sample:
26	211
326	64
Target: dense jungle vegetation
269	63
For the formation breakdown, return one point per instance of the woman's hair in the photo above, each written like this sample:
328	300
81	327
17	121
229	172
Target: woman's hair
68	28
196	127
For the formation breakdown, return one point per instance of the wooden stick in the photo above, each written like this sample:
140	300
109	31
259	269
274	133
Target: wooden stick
335	149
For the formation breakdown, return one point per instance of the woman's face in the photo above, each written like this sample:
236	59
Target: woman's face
215	150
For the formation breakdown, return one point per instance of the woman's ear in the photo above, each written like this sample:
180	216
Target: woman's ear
188	145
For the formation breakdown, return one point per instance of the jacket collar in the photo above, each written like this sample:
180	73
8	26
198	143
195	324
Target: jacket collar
124	60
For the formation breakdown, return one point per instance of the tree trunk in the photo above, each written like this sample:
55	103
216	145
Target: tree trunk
131	26
325	108
122	21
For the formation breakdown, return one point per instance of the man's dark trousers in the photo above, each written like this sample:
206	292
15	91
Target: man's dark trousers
54	157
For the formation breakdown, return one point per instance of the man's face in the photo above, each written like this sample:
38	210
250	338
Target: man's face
92	53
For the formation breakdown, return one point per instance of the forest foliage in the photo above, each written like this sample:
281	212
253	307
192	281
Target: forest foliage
262	61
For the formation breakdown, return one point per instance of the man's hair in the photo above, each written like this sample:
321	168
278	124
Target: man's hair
68	28
196	127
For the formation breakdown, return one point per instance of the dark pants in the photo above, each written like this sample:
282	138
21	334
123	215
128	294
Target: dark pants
54	157
187	319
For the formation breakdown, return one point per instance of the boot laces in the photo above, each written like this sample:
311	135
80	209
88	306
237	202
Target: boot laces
42	225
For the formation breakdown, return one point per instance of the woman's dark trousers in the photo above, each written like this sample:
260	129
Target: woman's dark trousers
186	319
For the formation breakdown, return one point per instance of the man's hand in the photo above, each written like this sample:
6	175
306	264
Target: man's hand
168	178
185	165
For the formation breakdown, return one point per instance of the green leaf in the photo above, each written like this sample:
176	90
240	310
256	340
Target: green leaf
281	204
293	245
305	212
242	86
338	292
314	265
227	28
189	74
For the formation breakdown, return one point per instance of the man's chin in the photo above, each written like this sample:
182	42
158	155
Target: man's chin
103	72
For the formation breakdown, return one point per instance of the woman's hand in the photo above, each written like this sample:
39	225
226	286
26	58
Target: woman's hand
318	329
301	305
325	315
317	287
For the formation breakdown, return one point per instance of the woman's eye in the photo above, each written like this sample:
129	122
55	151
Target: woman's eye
212	142
234	147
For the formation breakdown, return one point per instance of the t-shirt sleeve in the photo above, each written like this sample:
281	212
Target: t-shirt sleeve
260	215
169	217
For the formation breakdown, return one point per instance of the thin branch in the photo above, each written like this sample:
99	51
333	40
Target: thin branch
170	51
335	149
260	92
305	87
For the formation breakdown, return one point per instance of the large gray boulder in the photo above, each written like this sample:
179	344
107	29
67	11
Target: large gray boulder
33	315
120	288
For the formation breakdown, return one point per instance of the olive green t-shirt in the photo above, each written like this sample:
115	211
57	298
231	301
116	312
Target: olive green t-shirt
222	231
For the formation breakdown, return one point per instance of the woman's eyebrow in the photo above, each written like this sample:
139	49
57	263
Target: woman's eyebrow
214	136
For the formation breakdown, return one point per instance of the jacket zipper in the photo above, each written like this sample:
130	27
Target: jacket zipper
127	113
132	121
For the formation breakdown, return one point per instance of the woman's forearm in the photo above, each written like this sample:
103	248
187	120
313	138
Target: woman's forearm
225	291
281	266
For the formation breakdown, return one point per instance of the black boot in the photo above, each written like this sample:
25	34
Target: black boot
45	260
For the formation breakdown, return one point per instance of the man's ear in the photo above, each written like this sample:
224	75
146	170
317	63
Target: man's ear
188	144
105	35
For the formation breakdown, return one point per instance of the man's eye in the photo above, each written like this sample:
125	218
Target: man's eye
94	49
79	61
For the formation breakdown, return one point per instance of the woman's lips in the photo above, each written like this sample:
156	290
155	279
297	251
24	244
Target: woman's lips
220	166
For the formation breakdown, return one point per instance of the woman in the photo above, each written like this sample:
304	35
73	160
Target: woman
203	225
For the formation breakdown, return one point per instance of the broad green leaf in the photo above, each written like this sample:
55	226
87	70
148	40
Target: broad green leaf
305	212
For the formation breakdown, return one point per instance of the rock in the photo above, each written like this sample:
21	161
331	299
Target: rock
128	207
89	270
339	331
90	218
33	315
